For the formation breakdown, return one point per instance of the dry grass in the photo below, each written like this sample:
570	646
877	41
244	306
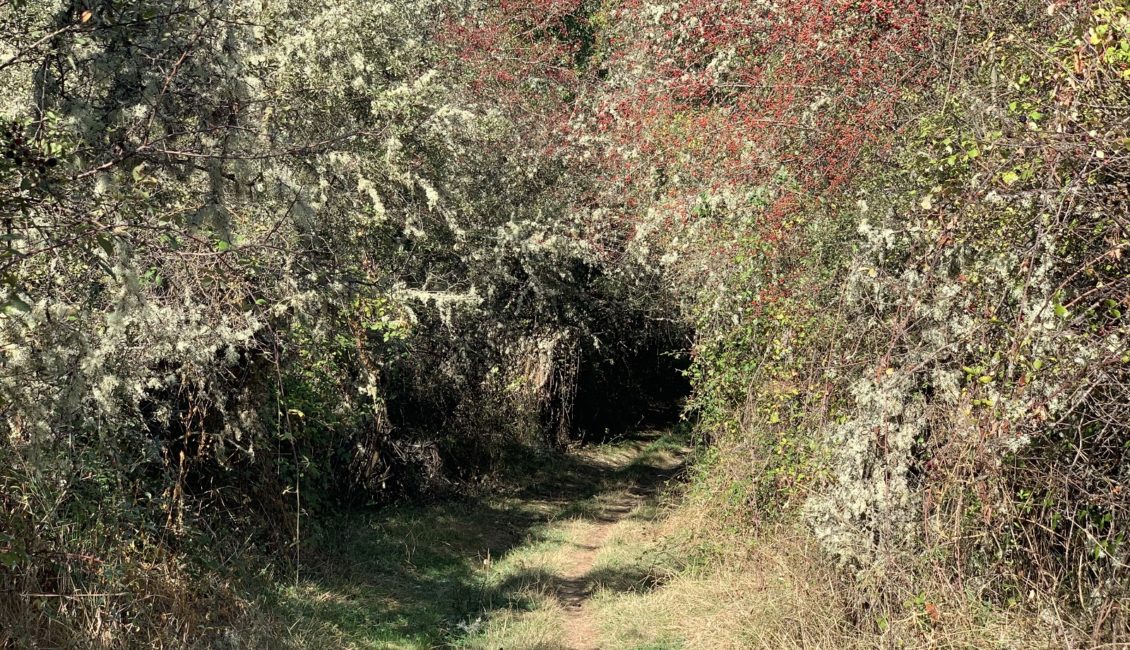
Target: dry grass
769	599
635	571
773	589
538	629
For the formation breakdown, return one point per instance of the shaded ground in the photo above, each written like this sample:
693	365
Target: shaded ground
515	571
574	589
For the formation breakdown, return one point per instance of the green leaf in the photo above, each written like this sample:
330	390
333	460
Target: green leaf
15	305
106	244
9	559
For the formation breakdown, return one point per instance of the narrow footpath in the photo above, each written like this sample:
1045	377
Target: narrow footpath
575	590
521	568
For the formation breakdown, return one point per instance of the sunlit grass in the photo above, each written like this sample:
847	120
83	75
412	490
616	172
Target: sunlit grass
491	572
480	573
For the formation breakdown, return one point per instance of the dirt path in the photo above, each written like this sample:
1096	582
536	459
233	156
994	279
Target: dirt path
575	588
521	569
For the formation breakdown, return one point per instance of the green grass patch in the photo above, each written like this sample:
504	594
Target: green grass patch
476	573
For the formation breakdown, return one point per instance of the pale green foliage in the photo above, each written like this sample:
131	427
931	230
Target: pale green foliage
272	260
929	365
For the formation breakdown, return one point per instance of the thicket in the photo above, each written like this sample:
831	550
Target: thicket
900	230
262	257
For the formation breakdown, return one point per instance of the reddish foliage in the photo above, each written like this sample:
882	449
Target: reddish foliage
707	96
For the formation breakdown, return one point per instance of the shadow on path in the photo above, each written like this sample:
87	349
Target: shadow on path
413	576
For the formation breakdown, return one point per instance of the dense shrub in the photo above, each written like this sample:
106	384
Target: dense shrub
260	257
898	229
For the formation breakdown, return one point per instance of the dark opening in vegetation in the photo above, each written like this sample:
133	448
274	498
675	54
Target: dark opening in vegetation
643	386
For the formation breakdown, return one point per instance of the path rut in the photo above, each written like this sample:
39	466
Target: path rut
574	589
